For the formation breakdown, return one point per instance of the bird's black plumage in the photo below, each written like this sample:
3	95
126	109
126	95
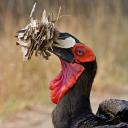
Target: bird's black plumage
74	110
114	110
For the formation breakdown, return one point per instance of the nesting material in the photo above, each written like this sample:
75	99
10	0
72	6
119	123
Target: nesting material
39	36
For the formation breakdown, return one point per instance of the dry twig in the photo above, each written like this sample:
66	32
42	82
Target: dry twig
38	36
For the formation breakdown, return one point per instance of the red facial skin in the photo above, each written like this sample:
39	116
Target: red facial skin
70	72
82	53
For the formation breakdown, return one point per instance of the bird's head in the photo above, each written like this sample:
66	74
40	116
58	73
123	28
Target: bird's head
73	55
41	37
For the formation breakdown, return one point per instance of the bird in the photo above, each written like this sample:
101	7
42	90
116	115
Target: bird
70	89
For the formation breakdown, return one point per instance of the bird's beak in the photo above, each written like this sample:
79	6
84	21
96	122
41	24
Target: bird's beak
63	53
63	47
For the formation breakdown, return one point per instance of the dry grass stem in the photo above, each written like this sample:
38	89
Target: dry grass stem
38	36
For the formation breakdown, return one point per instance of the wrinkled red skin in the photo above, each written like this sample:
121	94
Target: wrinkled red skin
70	72
86	56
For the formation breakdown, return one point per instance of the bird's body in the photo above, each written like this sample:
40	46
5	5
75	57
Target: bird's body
74	109
70	90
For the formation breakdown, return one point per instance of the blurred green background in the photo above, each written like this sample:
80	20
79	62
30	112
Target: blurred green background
101	24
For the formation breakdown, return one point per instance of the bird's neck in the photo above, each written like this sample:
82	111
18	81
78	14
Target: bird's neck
76	101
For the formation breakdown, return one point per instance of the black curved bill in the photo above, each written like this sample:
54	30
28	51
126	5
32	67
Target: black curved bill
64	54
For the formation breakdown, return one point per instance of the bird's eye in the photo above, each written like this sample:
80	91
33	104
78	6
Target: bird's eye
80	52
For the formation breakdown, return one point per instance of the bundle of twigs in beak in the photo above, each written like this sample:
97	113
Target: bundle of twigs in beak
39	36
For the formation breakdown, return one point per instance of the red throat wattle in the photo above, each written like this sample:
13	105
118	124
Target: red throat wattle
70	72
68	76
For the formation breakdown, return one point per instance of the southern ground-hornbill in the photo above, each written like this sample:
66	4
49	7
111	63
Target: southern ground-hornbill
70	90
